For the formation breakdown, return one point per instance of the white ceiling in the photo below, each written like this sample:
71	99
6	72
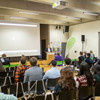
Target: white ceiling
45	14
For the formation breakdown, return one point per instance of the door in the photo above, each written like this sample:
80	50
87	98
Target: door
43	47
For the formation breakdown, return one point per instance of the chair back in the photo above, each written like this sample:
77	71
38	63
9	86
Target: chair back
51	83
3	74
85	92
2	81
67	94
97	89
4	89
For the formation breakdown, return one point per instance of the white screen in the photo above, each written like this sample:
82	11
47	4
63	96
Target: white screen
18	40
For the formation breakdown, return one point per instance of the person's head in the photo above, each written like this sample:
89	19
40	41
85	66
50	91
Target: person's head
85	52
33	61
81	53
97	69
3	55
85	70
67	79
58	53
23	56
91	51
67	61
23	60
88	55
54	63
48	45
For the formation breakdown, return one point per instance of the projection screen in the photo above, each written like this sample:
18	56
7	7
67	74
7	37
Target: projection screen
18	39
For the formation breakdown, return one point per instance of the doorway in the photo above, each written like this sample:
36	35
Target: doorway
43	47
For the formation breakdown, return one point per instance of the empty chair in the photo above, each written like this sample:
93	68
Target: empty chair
11	73
12	79
13	89
3	74
51	83
97	89
2	81
7	81
7	69
67	95
12	68
4	89
85	92
40	87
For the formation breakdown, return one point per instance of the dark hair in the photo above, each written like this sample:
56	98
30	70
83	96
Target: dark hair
23	60
81	53
85	70
66	80
97	69
33	61
3	55
54	62
88	54
67	61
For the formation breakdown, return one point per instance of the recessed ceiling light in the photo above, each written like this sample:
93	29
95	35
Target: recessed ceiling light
73	18
18	17
88	13
15	24
29	13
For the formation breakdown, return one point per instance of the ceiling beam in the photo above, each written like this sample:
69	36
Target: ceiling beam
43	8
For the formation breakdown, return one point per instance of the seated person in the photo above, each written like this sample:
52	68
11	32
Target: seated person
53	72
80	58
89	60
7	97
2	69
66	81
91	54
68	64
97	72
4	60
85	77
34	73
85	54
58	57
21	69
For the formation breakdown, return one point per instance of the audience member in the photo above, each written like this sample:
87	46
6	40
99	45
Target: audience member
4	60
66	81
68	64
80	58
48	49
91	54
53	72
85	54
96	69
85	78
21	69
89	60
2	69
34	73
58	58
7	97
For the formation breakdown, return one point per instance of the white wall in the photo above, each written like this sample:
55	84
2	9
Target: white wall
57	35
90	30
18	40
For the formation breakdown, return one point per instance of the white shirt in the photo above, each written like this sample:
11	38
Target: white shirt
48	49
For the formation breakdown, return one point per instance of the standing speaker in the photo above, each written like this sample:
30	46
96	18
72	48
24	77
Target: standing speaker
66	28
83	38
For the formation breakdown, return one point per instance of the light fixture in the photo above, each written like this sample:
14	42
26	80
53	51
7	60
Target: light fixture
73	18
29	13
15	24
88	13
18	17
